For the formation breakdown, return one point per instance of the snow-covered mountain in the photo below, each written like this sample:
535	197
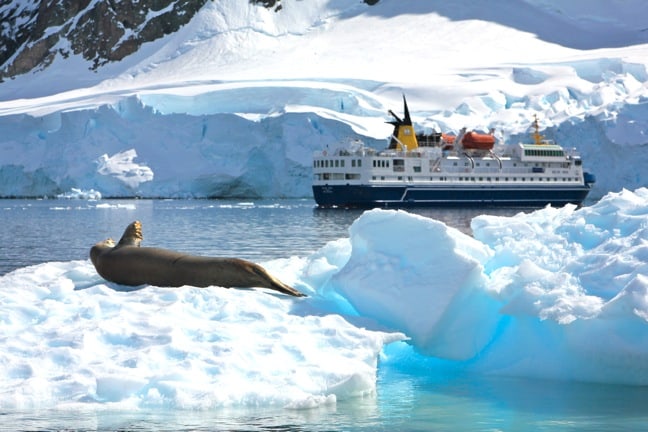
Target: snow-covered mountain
235	100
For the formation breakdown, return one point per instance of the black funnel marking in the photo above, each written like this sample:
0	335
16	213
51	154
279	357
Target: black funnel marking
407	121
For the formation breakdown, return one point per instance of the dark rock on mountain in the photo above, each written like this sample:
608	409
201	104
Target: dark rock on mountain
33	33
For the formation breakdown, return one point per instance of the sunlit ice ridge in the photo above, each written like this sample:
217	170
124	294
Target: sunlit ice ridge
236	101
558	294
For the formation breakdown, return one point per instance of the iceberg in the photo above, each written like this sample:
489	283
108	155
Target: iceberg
558	293
70	338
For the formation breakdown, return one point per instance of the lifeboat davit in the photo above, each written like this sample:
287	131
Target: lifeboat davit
478	141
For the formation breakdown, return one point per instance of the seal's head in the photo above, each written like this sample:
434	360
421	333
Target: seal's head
132	237
99	248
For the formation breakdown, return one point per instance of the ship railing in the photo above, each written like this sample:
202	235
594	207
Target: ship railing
344	152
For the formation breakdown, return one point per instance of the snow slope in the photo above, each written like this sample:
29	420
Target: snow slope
235	102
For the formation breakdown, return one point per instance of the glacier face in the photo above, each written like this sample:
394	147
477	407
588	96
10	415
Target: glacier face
132	150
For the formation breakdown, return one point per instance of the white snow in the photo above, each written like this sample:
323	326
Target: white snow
241	87
243	95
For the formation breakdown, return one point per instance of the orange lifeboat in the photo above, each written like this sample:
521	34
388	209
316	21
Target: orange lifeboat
448	139
477	141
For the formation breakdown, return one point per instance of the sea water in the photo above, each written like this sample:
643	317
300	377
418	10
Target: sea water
37	231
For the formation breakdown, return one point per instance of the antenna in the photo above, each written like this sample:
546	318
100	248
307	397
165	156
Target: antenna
537	138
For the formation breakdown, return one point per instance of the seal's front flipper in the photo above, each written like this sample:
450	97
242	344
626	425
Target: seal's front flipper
132	235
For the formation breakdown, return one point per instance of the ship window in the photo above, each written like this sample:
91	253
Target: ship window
481	178
382	178
359	163
399	165
400	178
417	169
353	163
337	163
342	163
454	164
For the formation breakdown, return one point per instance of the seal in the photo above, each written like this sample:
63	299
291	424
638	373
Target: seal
129	264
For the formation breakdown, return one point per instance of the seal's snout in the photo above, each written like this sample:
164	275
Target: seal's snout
100	247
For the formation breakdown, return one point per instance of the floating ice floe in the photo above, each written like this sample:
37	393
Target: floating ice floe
555	293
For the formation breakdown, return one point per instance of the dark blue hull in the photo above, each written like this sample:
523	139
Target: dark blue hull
366	196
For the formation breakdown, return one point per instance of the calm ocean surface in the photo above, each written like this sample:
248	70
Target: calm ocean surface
37	231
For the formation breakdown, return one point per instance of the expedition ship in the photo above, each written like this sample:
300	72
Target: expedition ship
446	170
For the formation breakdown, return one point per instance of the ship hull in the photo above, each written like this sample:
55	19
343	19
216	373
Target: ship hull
370	196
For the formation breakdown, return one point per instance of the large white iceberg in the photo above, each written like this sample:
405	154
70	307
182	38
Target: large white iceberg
556	293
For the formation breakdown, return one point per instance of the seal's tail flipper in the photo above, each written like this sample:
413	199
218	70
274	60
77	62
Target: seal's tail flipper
276	284
132	235
286	289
